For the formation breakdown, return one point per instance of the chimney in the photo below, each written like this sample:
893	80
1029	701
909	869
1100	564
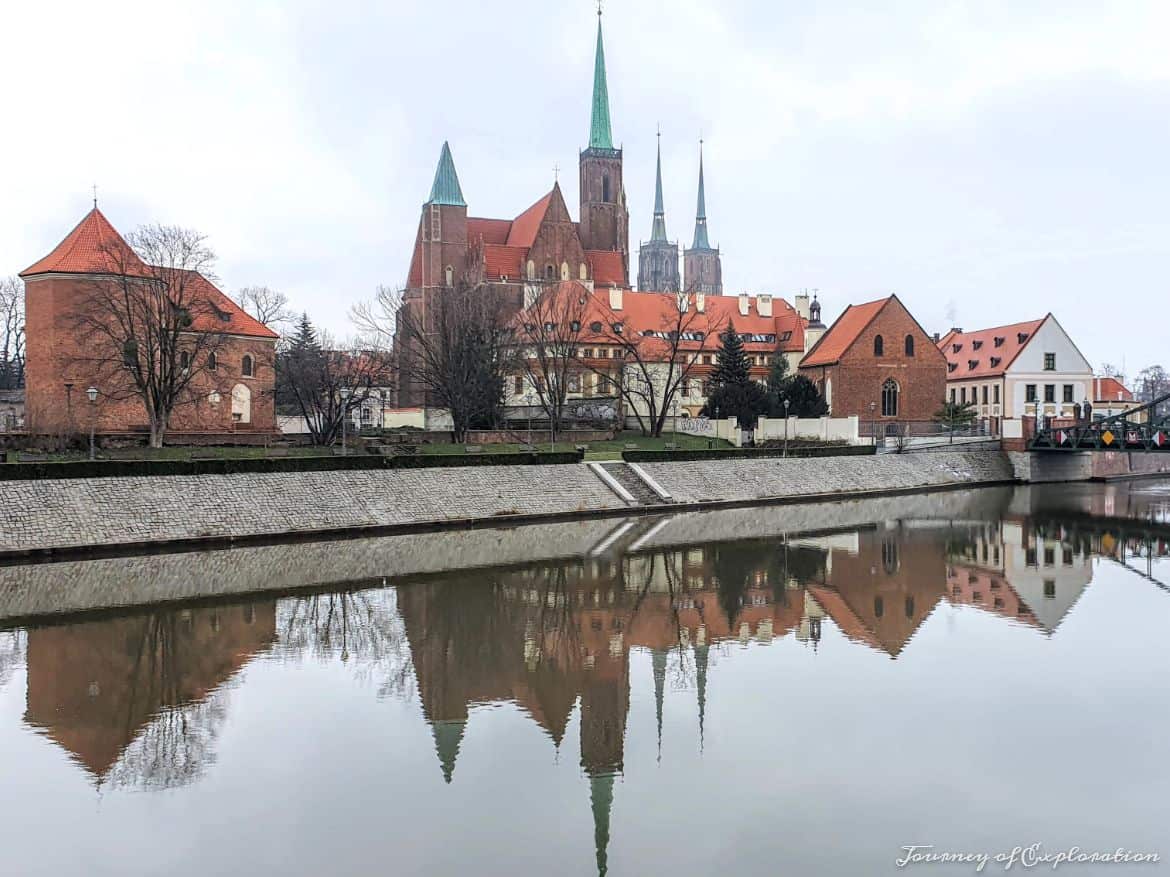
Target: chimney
615	297
800	302
745	304
701	302
937	338
764	304
957	330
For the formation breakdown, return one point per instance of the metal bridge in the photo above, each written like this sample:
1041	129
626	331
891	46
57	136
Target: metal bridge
1146	428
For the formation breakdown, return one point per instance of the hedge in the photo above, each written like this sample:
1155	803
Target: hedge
135	468
740	453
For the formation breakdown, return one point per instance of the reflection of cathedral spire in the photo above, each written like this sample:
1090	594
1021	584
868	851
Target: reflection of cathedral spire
448	736
659	659
601	797
701	679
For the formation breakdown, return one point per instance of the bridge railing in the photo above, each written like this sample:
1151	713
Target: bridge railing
1144	428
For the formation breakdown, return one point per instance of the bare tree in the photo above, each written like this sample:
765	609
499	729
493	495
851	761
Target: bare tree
147	327
656	362
548	340
1152	382
454	344
1109	370
326	383
267	305
11	333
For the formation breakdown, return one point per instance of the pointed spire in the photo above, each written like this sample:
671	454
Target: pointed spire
658	657
600	136
445	189
701	678
658	233
601	797
701	242
448	735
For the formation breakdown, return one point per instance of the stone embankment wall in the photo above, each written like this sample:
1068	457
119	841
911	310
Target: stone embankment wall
1040	467
137	511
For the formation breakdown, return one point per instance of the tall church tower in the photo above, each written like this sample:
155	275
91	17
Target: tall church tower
604	218
702	266
658	257
442	233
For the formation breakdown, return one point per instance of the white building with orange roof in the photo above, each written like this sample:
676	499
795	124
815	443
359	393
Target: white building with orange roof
1030	369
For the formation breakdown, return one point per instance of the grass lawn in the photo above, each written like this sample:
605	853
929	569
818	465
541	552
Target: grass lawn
603	450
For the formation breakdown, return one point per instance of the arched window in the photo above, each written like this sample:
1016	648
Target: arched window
449	272
879	346
211	361
879	606
890	398
246	366
564	270
531	270
583	272
184	360
909	345
910	606
550	273
605	188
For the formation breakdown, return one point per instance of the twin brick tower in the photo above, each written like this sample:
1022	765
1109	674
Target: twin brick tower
544	245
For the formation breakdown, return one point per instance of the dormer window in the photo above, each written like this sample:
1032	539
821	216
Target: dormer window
955	348
952	366
1021	337
999	341
972	364
995	361
975	345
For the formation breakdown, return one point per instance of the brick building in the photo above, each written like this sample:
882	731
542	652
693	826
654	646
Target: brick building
877	363
231	390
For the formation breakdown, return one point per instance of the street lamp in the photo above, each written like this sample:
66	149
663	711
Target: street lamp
873	422
786	403
528	400
91	394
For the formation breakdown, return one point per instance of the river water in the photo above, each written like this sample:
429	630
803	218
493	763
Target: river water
988	671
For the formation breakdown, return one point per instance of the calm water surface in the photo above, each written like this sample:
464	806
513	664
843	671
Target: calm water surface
991	676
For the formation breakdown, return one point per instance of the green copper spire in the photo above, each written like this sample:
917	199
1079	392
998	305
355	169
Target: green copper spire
701	242
658	233
448	735
599	133
601	798
658	659
445	189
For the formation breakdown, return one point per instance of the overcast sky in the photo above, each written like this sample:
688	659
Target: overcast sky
987	161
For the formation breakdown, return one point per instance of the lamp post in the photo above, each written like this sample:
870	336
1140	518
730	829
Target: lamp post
69	405
528	398
873	422
786	403
91	394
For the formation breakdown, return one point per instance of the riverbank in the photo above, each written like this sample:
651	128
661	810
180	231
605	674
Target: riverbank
127	514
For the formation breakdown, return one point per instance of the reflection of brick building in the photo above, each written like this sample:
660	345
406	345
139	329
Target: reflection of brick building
69	290
94	687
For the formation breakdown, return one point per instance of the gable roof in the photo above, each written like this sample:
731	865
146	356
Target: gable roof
978	355
1110	390
492	231
844	331
606	266
527	224
93	247
500	261
222	315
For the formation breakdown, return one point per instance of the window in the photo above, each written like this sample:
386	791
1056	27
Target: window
1066	556
1050	392
1067	394
211	361
595	326
1029	392
890	556
575	326
605	188
531	270
976	345
184	360
1050	557
1030	557
995	361
985	394
246	367
963	396
999	341
449	274
1049	362
995	394
550	273
878	606
878	346
890	398
910	607
1049	588
909	345
952	395
952	367
517	385
367	414
574	383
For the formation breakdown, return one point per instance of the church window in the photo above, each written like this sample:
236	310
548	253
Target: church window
564	270
878	606
550	273
879	346
605	188
890	398
584	274
909	345
531	270
247	367
449	273
184	361
211	361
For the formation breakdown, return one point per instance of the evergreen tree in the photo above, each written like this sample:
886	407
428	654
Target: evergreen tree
733	393
778	379
804	400
954	415
731	363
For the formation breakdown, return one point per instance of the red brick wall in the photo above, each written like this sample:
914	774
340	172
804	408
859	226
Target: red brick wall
53	351
857	379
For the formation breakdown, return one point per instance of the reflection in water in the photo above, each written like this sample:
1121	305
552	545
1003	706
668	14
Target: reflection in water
139	699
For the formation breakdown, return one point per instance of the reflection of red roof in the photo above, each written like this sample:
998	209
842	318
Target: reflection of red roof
527	224
500	261
843	333
1110	390
987	352
845	618
606	267
93	247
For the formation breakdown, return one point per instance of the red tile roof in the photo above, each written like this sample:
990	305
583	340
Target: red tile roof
218	313
527	224
493	231
985	353
500	261
1110	390
93	247
841	335
606	267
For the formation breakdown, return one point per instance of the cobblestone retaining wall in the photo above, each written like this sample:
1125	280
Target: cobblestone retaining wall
767	478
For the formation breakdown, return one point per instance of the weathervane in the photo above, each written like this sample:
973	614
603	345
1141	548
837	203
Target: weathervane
95	195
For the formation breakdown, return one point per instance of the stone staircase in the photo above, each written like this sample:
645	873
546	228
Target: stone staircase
627	478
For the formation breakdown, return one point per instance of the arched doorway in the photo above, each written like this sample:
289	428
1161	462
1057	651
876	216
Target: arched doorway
241	404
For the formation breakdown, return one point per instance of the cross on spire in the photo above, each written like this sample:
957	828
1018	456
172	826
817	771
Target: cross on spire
556	173
94	195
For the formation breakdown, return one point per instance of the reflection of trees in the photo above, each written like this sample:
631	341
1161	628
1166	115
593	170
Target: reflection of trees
362	629
12	648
